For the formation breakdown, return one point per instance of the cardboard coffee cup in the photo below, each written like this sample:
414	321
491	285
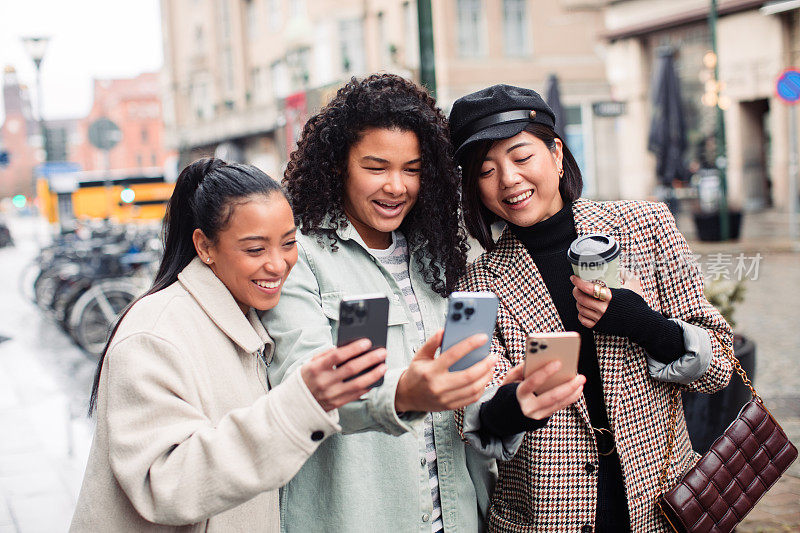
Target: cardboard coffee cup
595	258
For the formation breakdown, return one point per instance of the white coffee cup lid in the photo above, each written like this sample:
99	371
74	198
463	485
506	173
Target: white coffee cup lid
592	250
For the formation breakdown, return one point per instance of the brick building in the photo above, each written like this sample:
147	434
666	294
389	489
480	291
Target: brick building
19	138
241	76
134	105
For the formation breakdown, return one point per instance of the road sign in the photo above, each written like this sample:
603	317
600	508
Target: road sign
788	89
104	134
608	109
788	86
47	170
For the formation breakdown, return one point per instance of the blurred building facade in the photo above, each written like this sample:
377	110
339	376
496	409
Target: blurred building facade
241	77
756	41
134	106
20	139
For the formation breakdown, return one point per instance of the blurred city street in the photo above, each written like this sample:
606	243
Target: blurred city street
103	104
45	381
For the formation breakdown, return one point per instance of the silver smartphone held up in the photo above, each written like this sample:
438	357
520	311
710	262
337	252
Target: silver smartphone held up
364	317
469	313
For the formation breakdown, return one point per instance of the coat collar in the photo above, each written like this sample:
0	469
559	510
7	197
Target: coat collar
345	233
590	217
218	303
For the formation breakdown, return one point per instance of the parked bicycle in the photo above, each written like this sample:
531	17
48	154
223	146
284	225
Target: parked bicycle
84	283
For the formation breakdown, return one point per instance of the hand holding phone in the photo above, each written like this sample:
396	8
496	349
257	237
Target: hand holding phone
429	385
541	406
326	373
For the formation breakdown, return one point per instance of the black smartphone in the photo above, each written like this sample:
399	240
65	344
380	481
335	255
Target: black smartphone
469	313
364	317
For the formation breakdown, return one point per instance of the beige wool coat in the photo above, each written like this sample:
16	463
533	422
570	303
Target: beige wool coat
189	437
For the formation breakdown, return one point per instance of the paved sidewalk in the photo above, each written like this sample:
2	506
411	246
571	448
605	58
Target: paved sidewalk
44	382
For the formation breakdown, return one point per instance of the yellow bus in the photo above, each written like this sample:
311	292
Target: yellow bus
119	195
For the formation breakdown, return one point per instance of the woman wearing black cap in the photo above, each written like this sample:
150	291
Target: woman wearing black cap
594	465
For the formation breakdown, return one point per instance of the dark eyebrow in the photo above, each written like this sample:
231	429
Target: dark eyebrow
374	158
523	143
260	238
385	162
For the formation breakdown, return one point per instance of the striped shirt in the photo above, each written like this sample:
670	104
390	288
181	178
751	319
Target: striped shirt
395	259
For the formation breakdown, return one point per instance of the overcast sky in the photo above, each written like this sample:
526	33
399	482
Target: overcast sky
89	39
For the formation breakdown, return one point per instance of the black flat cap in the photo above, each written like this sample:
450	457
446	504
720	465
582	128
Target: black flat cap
497	112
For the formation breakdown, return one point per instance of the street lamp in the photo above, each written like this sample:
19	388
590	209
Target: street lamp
721	104
36	47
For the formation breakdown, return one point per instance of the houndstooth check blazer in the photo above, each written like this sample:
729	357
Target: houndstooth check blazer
546	486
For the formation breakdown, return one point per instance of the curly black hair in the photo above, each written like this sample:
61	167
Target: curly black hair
317	170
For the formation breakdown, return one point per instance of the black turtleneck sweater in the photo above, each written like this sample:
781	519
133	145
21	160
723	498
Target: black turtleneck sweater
627	315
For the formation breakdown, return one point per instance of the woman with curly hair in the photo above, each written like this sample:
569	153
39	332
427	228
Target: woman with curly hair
374	188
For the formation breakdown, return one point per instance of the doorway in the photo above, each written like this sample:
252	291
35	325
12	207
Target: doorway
756	179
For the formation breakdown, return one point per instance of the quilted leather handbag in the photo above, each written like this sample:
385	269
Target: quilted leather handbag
727	482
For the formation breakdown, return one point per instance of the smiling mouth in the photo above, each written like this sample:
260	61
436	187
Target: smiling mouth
268	284
514	200
389	207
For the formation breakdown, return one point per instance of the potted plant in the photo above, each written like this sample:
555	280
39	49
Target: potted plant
708	415
706	214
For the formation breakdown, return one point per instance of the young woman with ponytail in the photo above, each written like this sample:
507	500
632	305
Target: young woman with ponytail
189	435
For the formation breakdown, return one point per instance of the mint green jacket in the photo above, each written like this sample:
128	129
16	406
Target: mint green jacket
373	476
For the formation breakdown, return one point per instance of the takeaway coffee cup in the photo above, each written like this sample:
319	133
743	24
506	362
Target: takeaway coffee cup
595	257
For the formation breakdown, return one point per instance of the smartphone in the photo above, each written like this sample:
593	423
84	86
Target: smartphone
469	313
364	317
542	348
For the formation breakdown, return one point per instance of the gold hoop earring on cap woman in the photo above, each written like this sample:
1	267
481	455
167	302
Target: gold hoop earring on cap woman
599	292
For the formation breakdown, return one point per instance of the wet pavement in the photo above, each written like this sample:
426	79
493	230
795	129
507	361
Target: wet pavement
44	385
45	381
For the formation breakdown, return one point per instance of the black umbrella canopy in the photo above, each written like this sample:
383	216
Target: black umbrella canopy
553	98
667	138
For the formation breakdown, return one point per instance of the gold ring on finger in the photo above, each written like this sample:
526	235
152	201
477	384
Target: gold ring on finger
596	288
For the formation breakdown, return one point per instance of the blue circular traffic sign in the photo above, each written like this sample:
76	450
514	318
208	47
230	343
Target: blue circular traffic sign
788	86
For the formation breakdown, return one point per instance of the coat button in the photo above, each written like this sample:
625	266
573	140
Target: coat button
586	529
589	467
317	436
423	462
426	517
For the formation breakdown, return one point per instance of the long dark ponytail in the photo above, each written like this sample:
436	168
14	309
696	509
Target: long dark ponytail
204	197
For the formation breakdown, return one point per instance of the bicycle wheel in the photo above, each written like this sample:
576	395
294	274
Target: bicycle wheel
26	279
44	288
94	313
